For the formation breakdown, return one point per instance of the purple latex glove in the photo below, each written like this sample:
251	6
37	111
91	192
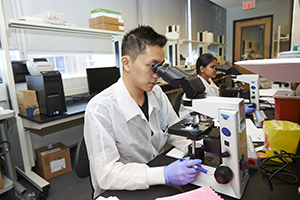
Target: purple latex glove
181	172
249	109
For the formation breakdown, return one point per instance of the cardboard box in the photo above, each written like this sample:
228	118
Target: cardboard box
27	102
1	181
110	27
104	19
54	161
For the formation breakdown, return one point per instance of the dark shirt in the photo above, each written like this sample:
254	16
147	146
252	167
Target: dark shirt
145	109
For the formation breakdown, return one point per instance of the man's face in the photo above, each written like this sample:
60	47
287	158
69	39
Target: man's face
142	76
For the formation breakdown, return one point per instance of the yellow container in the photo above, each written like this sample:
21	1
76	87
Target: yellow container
281	135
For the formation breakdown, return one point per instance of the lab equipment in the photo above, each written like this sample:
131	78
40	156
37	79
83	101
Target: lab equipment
20	70
176	172
101	78
252	156
259	118
287	105
237	77
253	81
9	175
50	92
39	65
227	143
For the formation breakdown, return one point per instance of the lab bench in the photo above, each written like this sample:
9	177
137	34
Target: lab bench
256	187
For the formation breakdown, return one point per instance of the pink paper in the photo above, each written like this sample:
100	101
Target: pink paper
203	193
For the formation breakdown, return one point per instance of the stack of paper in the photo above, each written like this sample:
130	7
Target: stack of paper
203	193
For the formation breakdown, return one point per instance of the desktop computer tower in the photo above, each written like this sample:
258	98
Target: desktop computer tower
50	92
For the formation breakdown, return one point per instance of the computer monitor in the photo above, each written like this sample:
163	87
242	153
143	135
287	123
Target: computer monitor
101	78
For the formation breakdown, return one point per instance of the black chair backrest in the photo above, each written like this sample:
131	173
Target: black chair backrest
81	160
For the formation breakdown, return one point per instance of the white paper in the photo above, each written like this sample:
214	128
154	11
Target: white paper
109	198
270	92
256	134
176	153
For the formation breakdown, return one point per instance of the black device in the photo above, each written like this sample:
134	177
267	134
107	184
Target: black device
50	92
101	78
20	70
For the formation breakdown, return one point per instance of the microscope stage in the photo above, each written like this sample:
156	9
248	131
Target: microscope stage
188	129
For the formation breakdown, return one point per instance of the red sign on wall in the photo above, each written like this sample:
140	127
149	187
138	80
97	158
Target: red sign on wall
248	5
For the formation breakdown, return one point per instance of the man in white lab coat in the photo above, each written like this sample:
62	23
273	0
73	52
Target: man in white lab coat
126	124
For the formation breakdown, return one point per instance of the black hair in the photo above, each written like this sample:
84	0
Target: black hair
204	60
135	41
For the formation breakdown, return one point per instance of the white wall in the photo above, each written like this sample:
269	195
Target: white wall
280	9
156	13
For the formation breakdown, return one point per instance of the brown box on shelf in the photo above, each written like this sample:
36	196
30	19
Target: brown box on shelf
27	102
54	161
1	181
105	20
109	27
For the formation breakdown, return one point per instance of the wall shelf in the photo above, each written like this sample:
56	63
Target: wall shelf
27	25
217	44
200	43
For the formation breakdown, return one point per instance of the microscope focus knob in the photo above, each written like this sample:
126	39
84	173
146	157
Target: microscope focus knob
223	174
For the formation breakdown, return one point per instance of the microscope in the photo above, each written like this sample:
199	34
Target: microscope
253	94
253	81
224	147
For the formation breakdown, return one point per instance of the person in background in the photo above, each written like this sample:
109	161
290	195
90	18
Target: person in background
206	70
125	126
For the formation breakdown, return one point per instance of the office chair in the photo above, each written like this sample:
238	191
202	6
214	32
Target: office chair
81	160
177	102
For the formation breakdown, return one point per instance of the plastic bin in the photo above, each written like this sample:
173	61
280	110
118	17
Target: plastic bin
287	106
281	135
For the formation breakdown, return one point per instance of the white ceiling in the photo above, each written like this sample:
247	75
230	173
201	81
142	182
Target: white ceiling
232	3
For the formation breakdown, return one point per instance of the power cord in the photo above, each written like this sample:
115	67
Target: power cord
246	165
271	170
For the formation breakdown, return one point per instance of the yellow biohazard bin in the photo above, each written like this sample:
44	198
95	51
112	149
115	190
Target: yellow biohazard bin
281	135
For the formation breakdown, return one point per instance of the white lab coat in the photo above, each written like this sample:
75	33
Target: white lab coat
211	88
119	142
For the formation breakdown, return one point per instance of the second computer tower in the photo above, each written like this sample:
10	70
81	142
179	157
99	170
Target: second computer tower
50	92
